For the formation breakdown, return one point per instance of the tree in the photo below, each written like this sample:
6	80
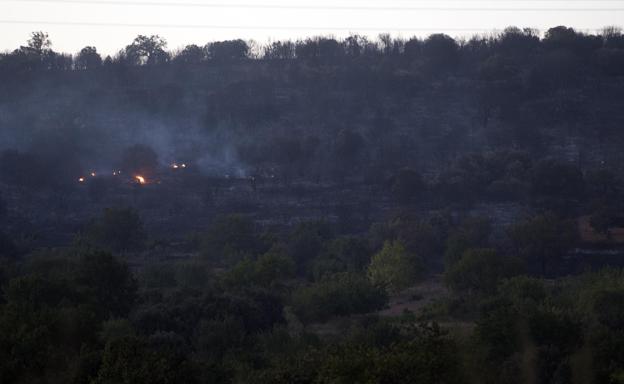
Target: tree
191	54
38	44
413	48
230	239
343	254
479	271
306	242
270	268
118	229
441	53
608	307
472	233
338	295
133	360
393	268
519	44
355	45
280	50
228	51
88	58
274	265
147	50
544	239
106	283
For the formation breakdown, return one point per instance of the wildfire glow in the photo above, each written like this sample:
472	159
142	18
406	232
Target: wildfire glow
140	179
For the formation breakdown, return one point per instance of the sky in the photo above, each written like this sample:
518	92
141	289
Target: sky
110	25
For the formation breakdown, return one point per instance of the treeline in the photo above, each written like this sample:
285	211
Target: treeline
440	52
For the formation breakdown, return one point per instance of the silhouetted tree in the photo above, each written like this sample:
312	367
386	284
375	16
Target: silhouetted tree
280	51
227	51
544	239
441	53
394	268
147	50
88	58
191	54
118	229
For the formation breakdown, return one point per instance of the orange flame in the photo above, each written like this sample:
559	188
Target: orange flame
140	179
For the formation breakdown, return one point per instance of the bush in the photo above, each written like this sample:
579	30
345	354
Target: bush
118	229
266	271
306	242
339	295
479	271
543	239
343	254
230	239
393	268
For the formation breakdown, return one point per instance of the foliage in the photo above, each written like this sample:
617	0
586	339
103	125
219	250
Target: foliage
543	239
230	239
49	323
133	360
88	58
305	243
118	229
420	354
479	271
393	268
147	50
342	254
320	116
472	233
338	295
267	271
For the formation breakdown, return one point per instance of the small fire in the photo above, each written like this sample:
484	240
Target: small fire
140	179
183	165
174	166
81	179
92	174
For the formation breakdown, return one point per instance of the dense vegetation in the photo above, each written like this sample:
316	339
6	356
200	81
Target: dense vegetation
319	109
264	314
477	238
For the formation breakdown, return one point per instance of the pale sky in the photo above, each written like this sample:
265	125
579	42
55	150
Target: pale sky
112	24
